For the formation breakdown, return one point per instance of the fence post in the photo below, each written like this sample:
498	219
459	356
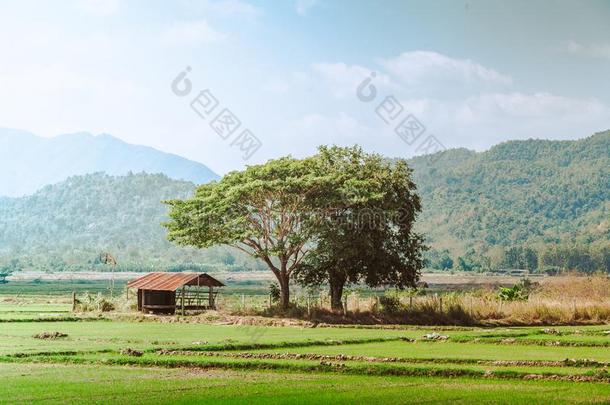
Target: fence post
410	302
308	306
182	300
440	304
73	301
574	306
211	297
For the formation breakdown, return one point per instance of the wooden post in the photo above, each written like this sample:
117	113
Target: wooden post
308	306
126	293
197	300
440	304
574	307
211	303
73	301
182	300
270	301
410	302
112	284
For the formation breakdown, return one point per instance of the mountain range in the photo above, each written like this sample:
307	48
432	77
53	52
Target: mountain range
518	192
534	193
29	162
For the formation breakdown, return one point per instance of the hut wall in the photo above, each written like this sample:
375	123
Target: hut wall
163	302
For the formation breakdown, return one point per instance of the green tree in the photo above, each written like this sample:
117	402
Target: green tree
227	258
530	259
365	234
519	257
470	261
579	257
445	262
439	260
264	211
8	269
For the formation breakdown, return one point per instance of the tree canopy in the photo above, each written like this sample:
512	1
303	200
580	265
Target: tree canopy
264	211
368	235
354	209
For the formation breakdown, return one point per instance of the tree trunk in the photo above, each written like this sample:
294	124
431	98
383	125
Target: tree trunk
337	282
284	280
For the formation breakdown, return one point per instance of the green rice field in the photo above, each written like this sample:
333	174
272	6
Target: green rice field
171	360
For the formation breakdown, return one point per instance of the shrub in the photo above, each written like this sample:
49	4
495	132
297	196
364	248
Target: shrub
390	304
274	292
514	293
518	292
90	303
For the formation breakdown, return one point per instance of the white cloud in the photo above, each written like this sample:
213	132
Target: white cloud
52	79
302	7
224	8
520	106
276	86
236	7
483	120
101	7
302	135
53	99
600	50
460	101
191	32
416	75
426	68
343	80
341	126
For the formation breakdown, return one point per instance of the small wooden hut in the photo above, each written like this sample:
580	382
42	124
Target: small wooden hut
166	292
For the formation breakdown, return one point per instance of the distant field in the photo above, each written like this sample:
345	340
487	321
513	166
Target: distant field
258	281
58	287
62	285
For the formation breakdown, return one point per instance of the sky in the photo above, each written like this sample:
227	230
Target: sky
292	73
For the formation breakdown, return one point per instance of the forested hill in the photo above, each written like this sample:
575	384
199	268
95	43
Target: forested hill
531	192
69	224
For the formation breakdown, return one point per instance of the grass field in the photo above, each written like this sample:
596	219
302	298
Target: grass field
131	359
89	384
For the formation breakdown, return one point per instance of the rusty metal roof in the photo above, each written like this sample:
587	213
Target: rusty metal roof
172	281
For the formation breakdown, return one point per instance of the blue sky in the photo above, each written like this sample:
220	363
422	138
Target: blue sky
473	73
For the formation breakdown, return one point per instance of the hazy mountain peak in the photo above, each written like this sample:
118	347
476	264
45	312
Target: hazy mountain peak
29	162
